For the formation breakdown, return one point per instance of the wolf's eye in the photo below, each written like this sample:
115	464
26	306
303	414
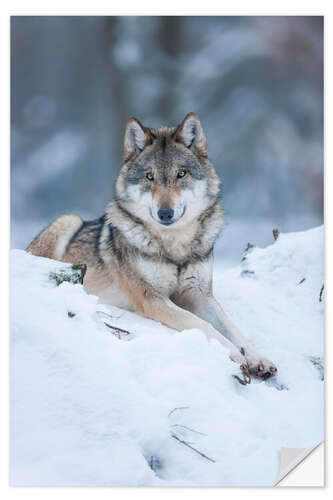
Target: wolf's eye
150	176
181	174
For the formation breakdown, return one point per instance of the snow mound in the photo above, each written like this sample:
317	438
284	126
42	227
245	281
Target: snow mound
92	408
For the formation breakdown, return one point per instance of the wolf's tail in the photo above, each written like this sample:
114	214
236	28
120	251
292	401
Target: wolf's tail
52	241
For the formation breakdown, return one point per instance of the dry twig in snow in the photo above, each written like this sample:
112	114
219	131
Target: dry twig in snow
189	429
178	408
246	380
192	448
117	330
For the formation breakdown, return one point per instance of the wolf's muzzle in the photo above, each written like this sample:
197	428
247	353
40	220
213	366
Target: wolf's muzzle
165	215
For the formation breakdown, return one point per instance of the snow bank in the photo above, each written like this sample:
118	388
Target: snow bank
88	408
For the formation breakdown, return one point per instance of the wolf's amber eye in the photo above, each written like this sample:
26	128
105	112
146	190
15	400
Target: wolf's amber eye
150	176
181	174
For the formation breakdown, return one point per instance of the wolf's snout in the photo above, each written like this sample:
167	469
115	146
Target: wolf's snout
165	215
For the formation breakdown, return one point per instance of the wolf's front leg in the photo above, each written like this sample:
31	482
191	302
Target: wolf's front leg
207	308
167	312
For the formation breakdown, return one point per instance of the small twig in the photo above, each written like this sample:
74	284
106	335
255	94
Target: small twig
178	408
302	281
189	429
245	372
117	329
249	246
70	314
321	294
276	234
192	448
246	380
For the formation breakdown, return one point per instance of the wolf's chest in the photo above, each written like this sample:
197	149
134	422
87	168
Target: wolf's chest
168	278
162	276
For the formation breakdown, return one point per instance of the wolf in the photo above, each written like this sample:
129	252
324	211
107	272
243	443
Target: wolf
151	251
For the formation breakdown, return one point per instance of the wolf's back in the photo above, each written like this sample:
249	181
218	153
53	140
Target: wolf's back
52	241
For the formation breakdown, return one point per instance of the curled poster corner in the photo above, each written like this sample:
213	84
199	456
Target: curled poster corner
290	458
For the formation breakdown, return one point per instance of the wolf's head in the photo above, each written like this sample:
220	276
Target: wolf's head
167	179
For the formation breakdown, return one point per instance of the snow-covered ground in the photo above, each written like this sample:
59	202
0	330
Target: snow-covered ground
88	408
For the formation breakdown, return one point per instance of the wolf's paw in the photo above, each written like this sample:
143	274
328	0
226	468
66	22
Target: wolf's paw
260	367
263	370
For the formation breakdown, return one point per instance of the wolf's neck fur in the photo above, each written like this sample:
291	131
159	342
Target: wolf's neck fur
179	244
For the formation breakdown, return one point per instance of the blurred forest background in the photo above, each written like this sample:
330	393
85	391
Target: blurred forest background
255	82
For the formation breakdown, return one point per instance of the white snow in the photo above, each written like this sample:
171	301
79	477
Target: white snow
88	408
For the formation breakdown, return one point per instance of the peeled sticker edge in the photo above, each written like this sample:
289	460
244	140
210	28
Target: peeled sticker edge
290	458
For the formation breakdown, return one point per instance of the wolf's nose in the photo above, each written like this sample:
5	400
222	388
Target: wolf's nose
165	215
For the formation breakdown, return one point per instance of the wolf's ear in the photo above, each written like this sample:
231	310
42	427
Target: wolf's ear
137	137
190	133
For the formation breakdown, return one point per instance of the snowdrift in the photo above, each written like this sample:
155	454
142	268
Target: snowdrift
94	406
